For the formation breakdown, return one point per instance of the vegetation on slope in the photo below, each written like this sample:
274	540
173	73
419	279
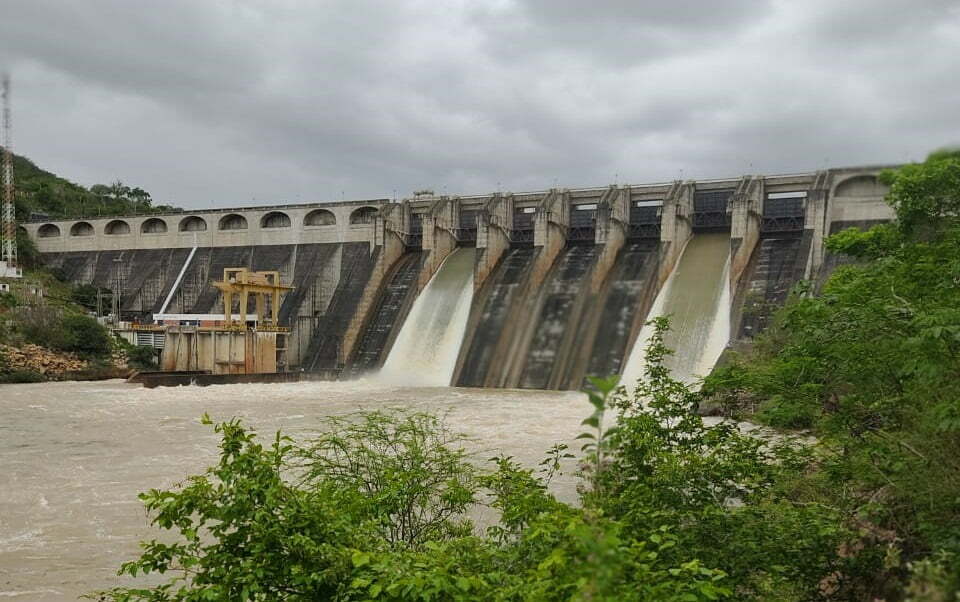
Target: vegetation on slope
56	336
872	367
41	192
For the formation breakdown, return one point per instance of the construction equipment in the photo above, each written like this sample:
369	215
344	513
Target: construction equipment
243	282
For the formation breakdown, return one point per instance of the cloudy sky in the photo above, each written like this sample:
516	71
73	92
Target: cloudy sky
216	102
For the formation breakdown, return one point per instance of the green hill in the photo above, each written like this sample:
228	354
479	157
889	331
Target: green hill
42	193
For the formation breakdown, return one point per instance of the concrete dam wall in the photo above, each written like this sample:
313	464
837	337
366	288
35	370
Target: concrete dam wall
529	290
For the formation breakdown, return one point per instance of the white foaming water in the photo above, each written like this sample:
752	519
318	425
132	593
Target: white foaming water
696	296
425	352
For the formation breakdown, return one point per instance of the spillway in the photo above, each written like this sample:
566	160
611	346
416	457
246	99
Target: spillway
425	352
390	310
696	296
503	296
628	295
775	267
551	341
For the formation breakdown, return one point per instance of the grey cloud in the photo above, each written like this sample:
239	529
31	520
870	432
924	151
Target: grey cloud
203	102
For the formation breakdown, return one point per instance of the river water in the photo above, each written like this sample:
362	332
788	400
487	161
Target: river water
74	455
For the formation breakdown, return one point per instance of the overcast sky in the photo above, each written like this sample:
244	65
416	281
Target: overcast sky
216	103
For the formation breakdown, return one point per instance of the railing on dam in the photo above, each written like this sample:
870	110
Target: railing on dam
711	209
583	224
783	213
523	226
645	217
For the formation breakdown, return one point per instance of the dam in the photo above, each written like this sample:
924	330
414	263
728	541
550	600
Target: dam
533	290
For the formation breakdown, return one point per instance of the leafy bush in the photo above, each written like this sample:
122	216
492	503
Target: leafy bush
84	335
141	357
84	295
21	376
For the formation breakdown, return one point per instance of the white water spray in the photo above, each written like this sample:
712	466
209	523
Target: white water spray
425	352
696	296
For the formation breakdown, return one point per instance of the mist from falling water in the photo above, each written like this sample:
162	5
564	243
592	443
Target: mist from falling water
696	297
425	352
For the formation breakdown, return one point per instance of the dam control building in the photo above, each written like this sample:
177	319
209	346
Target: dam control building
562	280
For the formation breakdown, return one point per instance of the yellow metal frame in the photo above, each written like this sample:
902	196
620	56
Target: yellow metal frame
243	282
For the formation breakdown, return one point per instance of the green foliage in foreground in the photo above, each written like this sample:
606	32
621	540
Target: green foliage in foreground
872	366
379	507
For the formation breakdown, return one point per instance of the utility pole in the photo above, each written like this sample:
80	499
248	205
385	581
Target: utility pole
8	217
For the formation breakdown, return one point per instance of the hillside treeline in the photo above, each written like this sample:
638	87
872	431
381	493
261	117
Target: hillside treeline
40	192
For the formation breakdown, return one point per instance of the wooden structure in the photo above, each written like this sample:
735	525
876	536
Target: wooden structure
243	282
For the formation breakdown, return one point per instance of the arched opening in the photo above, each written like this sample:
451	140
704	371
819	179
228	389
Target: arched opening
193	224
233	221
117	226
48	231
81	229
861	186
154	225
275	219
320	217
364	215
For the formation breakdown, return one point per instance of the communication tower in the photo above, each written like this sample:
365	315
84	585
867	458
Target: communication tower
8	217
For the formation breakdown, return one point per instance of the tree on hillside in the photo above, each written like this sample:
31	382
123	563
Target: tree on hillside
41	192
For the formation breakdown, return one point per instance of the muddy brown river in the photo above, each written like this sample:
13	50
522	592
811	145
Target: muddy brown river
73	457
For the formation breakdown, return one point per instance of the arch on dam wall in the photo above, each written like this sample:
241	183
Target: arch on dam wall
116	227
320	217
232	221
859	199
193	224
48	231
862	185
275	219
154	225
81	229
364	215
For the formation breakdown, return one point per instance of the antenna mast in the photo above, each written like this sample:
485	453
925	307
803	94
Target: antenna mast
9	218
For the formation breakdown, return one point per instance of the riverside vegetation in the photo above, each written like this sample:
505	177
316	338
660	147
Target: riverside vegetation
61	323
867	508
55	337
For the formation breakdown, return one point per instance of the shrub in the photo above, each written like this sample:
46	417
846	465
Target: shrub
21	376
84	295
84	335
141	357
7	301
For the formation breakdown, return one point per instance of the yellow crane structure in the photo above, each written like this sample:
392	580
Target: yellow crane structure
243	282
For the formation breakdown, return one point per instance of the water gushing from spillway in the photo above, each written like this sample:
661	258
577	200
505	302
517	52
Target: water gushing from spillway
696	296
425	352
